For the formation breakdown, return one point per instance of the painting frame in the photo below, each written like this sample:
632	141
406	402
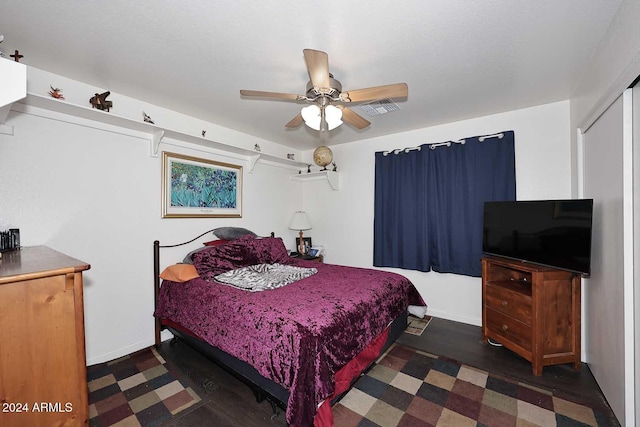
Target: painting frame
184	194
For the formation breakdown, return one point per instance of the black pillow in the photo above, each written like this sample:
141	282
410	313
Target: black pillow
232	233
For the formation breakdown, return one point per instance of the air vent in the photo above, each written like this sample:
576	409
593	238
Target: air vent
379	107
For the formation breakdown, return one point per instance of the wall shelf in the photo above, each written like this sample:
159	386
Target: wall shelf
332	177
13	86
155	133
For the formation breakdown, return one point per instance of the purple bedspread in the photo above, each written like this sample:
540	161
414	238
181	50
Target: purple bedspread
298	335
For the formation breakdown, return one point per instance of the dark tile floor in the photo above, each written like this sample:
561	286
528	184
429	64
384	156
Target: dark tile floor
228	402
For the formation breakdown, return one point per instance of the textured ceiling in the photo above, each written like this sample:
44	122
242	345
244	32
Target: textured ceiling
460	58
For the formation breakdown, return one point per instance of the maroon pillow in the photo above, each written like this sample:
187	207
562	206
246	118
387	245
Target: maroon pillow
271	250
214	260
216	242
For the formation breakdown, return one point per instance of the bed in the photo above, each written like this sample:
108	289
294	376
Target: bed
301	344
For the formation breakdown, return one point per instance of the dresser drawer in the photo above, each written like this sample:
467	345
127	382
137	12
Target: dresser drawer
512	303
509	328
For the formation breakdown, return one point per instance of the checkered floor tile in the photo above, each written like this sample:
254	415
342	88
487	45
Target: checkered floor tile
407	387
136	390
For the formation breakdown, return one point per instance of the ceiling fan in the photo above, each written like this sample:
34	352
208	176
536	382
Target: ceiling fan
323	91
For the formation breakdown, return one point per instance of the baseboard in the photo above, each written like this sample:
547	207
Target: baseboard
115	354
455	317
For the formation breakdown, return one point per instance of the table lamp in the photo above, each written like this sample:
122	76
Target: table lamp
300	222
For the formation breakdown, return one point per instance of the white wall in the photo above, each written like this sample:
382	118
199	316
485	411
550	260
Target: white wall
343	220
613	67
95	195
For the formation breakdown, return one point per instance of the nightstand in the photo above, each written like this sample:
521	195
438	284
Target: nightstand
309	258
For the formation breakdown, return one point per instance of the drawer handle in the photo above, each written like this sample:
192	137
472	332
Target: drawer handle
505	327
504	303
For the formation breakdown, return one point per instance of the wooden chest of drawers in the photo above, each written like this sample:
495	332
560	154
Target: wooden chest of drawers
43	375
532	310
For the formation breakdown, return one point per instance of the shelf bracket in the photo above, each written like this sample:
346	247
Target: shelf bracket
252	161
6	129
155	142
4	113
334	180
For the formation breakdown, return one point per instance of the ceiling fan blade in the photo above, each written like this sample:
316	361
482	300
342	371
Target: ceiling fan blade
277	95
295	122
396	90
318	67
354	119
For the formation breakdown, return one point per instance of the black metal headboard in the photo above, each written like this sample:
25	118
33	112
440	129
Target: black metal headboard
156	275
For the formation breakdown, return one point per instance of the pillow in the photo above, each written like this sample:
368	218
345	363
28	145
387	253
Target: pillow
179	273
188	259
214	260
232	233
271	250
216	242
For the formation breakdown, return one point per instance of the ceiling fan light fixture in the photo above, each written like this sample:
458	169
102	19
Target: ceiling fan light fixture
333	116
312	115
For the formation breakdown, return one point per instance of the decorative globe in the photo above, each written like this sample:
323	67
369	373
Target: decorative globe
322	156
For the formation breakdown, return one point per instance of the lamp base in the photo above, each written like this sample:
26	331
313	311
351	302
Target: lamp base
301	245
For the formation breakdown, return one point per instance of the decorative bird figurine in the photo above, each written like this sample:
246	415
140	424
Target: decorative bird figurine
55	93
100	102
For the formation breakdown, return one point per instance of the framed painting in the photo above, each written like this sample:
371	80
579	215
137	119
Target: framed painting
200	188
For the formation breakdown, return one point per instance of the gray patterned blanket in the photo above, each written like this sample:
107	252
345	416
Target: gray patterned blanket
261	277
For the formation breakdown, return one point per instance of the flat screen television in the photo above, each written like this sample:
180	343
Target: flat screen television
553	233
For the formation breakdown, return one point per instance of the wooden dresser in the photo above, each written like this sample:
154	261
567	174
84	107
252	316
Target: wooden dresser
43	376
532	310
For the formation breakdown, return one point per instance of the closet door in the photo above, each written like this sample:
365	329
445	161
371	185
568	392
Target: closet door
603	292
636	240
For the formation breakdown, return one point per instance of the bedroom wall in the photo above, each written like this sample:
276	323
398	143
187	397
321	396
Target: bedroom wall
95	194
343	220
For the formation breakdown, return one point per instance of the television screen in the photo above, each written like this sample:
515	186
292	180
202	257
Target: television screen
554	233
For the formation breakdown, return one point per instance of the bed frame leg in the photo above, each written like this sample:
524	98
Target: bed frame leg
259	395
156	289
275	409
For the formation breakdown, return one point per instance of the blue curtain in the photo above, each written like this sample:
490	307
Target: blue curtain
429	203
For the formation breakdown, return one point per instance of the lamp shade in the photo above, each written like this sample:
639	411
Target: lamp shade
311	116
333	115
300	221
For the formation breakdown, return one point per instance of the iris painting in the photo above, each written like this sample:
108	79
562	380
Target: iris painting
199	187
